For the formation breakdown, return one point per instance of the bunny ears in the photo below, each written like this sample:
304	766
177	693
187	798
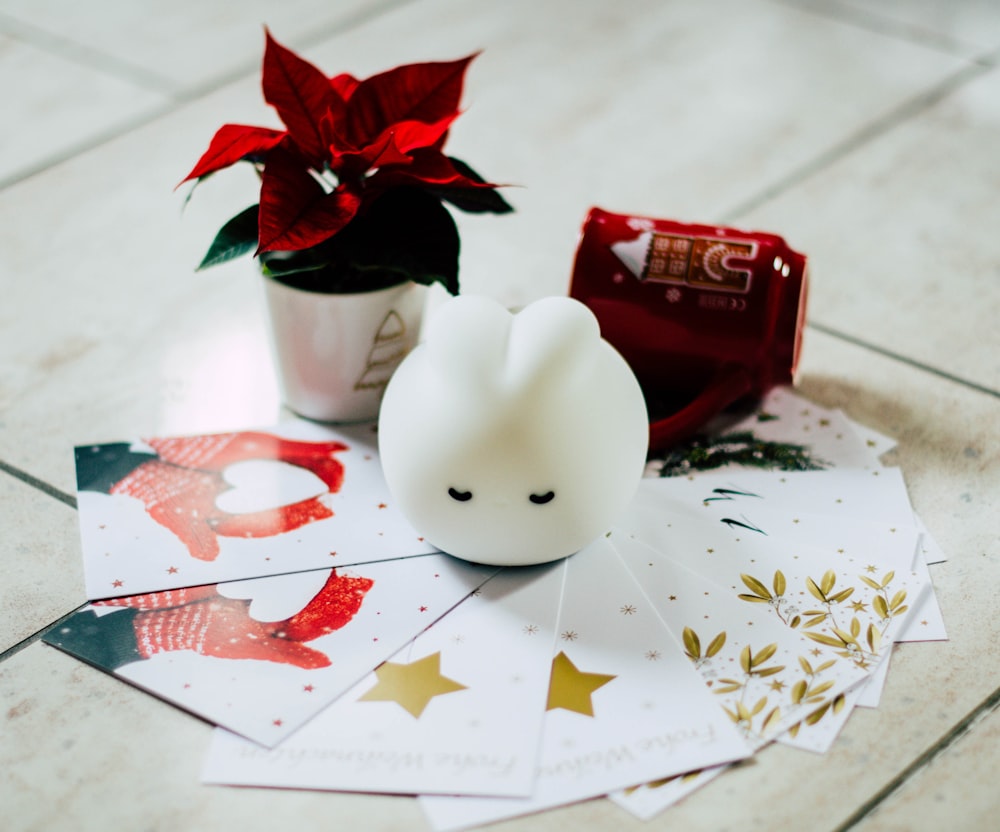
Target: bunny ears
475	344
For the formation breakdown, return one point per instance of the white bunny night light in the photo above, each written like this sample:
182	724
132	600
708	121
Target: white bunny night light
513	439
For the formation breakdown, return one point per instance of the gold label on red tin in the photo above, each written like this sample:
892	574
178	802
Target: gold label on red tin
699	261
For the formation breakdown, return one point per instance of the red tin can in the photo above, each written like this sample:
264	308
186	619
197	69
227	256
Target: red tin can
704	315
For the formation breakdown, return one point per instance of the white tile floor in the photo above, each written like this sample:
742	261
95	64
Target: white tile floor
866	133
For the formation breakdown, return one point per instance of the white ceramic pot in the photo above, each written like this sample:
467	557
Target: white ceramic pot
335	352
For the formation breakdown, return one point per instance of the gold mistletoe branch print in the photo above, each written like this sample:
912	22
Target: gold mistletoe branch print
855	630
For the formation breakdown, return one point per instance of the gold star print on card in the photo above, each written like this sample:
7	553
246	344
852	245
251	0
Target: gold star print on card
412	685
571	689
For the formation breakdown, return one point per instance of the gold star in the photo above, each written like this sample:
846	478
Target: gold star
571	689
777	685
870	569
858	606
413	685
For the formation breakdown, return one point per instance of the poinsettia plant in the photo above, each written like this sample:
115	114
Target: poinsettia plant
352	190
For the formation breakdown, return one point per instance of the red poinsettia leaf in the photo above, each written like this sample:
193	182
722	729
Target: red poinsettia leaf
352	165
412	135
429	166
301	94
344	85
232	143
295	212
425	92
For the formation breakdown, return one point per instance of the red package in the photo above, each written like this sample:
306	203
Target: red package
704	315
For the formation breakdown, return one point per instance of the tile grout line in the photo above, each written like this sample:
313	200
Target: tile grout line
13	650
177	97
41	485
927	368
958	731
873	130
834	10
67	49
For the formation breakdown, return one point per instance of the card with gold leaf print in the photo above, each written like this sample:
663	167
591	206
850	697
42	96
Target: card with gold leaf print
766	676
855	602
743	514
896	547
625	706
262	656
459	710
165	513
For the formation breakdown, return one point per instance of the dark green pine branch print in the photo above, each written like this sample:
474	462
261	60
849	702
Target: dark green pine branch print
706	453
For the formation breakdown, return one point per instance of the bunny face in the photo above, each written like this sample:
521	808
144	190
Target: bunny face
513	439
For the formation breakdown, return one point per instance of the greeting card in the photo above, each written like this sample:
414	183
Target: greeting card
625	705
647	800
783	432
166	513
262	656
766	676
459	710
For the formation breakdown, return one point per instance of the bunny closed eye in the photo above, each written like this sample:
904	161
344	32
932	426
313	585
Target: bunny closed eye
460	496
542	499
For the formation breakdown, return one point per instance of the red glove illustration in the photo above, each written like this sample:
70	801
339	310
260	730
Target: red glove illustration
180	487
202	620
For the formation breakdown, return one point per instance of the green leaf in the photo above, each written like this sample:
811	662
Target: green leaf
236	238
472	200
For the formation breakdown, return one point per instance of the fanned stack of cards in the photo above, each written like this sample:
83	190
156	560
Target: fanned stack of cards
263	580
